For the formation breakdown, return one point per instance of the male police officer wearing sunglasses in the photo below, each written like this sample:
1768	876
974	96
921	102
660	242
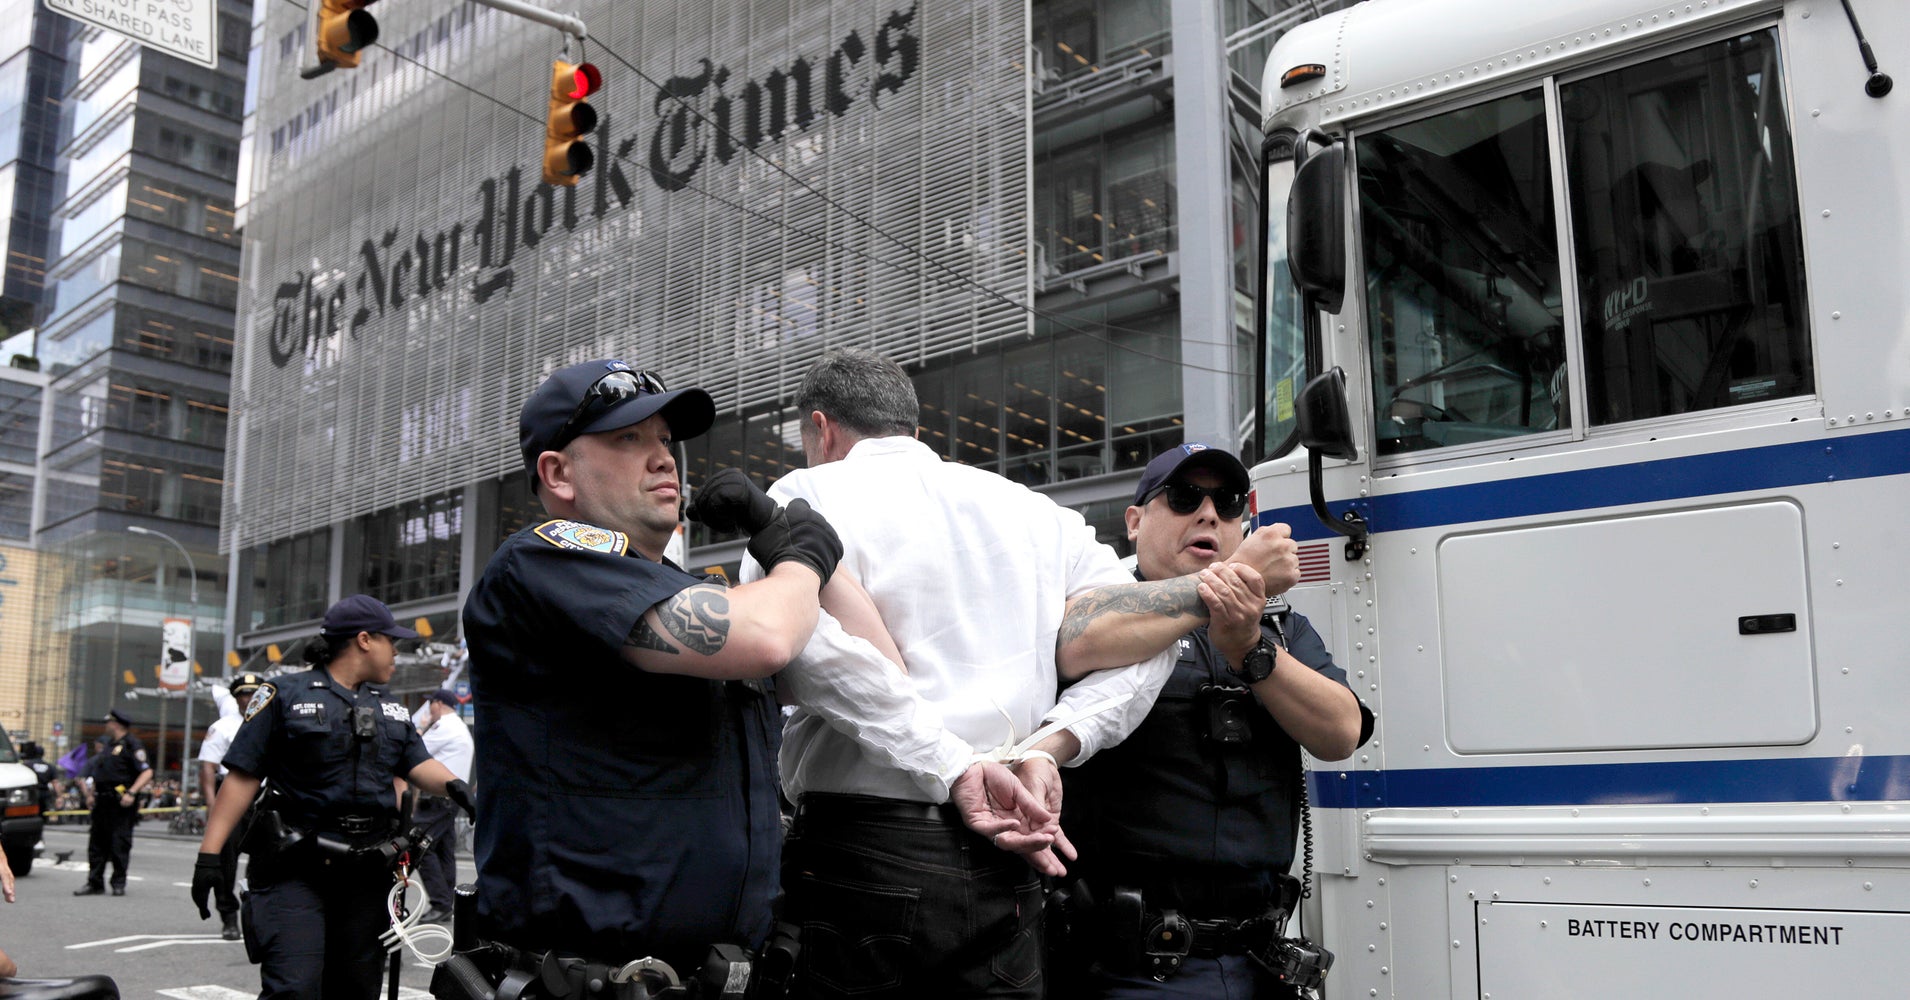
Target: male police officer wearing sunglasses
1196	811
625	738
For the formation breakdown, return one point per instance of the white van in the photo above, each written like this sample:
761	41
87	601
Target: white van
22	824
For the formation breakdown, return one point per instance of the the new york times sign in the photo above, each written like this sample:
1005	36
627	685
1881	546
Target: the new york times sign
698	122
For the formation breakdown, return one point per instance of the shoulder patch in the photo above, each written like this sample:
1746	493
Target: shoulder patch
395	712
260	698
578	535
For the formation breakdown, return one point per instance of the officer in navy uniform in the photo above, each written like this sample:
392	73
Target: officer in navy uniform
330	743
119	775
1198	810
625	732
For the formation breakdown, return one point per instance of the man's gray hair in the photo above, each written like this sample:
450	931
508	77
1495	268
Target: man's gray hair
869	395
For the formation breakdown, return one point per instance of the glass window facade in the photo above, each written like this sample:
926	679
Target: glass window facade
19	422
289	579
1108	197
408	552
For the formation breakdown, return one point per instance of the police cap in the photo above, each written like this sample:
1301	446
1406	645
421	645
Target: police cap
1192	455
120	717
363	613
244	684
545	423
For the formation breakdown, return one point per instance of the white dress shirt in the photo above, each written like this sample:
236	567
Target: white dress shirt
218	740
971	574
449	740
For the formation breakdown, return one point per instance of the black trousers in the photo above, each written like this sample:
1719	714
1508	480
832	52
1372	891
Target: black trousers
438	869
110	839
313	925
899	900
1231	976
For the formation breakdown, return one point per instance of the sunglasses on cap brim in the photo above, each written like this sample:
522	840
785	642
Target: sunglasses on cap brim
1185	498
611	389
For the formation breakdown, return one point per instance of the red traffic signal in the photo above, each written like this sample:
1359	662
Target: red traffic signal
566	156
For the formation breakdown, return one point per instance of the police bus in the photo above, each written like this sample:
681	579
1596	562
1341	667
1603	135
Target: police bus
1585	379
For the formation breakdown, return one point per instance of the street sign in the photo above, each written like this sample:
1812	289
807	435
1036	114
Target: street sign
188	29
58	728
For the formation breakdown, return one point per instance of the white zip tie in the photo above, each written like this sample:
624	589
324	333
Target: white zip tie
1008	753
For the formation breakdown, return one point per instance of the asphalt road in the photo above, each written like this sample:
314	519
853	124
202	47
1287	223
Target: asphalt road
151	940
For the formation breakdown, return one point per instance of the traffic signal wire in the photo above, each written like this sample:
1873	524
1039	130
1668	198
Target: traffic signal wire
953	277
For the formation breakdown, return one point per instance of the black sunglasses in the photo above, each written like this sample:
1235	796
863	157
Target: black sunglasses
1185	498
610	389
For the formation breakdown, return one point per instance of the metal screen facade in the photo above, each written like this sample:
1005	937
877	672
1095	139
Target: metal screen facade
792	175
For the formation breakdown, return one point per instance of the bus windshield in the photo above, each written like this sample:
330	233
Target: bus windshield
1283	334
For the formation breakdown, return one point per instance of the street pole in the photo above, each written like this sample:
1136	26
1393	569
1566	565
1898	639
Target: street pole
185	732
562	22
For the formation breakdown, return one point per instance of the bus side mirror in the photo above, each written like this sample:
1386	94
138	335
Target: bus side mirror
1326	428
1316	233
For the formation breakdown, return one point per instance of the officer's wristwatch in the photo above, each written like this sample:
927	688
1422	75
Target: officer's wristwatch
1257	665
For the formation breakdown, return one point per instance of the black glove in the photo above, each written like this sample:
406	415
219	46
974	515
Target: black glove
207	873
731	501
798	533
460	795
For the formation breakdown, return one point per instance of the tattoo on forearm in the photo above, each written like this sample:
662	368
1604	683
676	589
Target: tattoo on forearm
698	618
1167	598
645	637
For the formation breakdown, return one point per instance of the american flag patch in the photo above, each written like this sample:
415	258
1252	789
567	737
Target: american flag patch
1316	562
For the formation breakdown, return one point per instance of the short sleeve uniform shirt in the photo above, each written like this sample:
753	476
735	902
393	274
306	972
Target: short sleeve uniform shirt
622	813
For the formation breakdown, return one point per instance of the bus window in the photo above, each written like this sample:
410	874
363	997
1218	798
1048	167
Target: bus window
1689	250
1463	296
1283	341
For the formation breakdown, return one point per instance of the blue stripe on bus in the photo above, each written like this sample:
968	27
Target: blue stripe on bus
1861	456
1791	779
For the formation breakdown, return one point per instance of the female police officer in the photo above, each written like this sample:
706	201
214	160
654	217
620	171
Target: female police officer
330	744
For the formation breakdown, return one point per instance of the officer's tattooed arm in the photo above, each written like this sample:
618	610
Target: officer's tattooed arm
697	618
707	630
1124	623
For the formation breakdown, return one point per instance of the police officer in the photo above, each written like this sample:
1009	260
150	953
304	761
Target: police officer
211	772
1187	828
330	744
119	775
628	806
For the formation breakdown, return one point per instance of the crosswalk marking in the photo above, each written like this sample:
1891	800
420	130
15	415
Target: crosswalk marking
156	941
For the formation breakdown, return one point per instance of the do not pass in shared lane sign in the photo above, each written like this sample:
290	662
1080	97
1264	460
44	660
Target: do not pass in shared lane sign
188	29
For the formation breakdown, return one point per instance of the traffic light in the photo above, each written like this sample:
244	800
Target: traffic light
339	29
566	156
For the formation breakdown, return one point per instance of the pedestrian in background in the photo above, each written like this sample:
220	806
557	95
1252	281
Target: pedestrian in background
212	771
332	746
120	773
448	740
